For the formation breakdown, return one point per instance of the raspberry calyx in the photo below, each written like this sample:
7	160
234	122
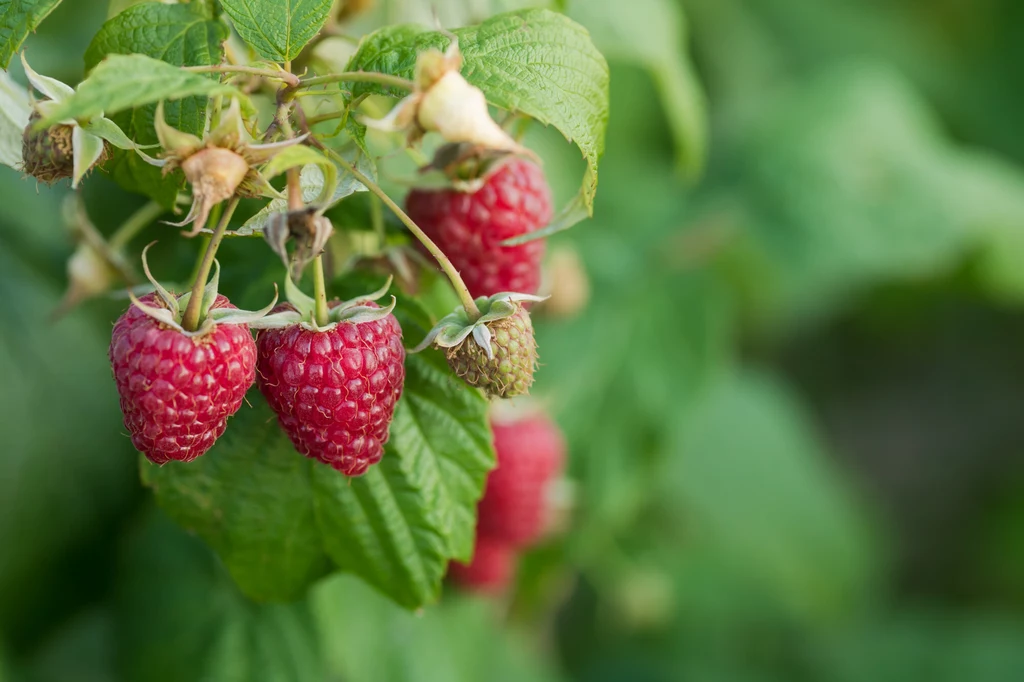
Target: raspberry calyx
302	310
172	310
496	352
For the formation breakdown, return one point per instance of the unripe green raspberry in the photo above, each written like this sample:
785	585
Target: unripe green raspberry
508	371
48	155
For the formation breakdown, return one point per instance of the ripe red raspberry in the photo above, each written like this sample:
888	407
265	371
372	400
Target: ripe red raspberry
177	391
469	228
530	453
491	570
334	391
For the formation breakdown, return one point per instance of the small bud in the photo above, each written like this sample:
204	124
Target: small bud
48	155
566	283
89	274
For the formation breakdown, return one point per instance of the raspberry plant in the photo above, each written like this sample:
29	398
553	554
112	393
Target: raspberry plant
237	123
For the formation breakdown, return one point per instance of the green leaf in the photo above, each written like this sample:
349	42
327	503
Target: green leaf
532	61
80	649
652	33
460	640
848	183
276	29
279	520
761	500
66	469
18	18
298	156
122	82
179	617
992	192
182	35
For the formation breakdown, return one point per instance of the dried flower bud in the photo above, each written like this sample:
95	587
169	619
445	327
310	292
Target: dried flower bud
219	166
215	174
307	228
444	102
458	111
48	155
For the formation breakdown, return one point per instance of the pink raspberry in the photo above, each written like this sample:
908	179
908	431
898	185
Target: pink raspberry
491	570
531	453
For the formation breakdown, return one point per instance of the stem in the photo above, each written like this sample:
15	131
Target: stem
320	292
295	203
320	118
135	224
377	219
453	275
359	77
291	79
190	321
294	190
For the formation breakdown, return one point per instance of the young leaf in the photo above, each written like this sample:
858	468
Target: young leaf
298	156
122	82
182	35
312	183
279	520
278	30
531	61
459	641
18	18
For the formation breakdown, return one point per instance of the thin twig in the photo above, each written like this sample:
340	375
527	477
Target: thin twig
359	77
289	78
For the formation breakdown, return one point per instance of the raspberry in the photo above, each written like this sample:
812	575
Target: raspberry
469	228
177	391
491	570
508	371
334	391
531	453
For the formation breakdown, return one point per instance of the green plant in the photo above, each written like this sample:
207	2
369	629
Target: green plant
190	107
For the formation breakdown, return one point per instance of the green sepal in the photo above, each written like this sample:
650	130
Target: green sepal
236	316
305	305
106	129
455	327
353	310
170	301
170	315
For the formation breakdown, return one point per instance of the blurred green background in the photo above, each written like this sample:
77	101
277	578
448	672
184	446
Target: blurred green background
793	400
